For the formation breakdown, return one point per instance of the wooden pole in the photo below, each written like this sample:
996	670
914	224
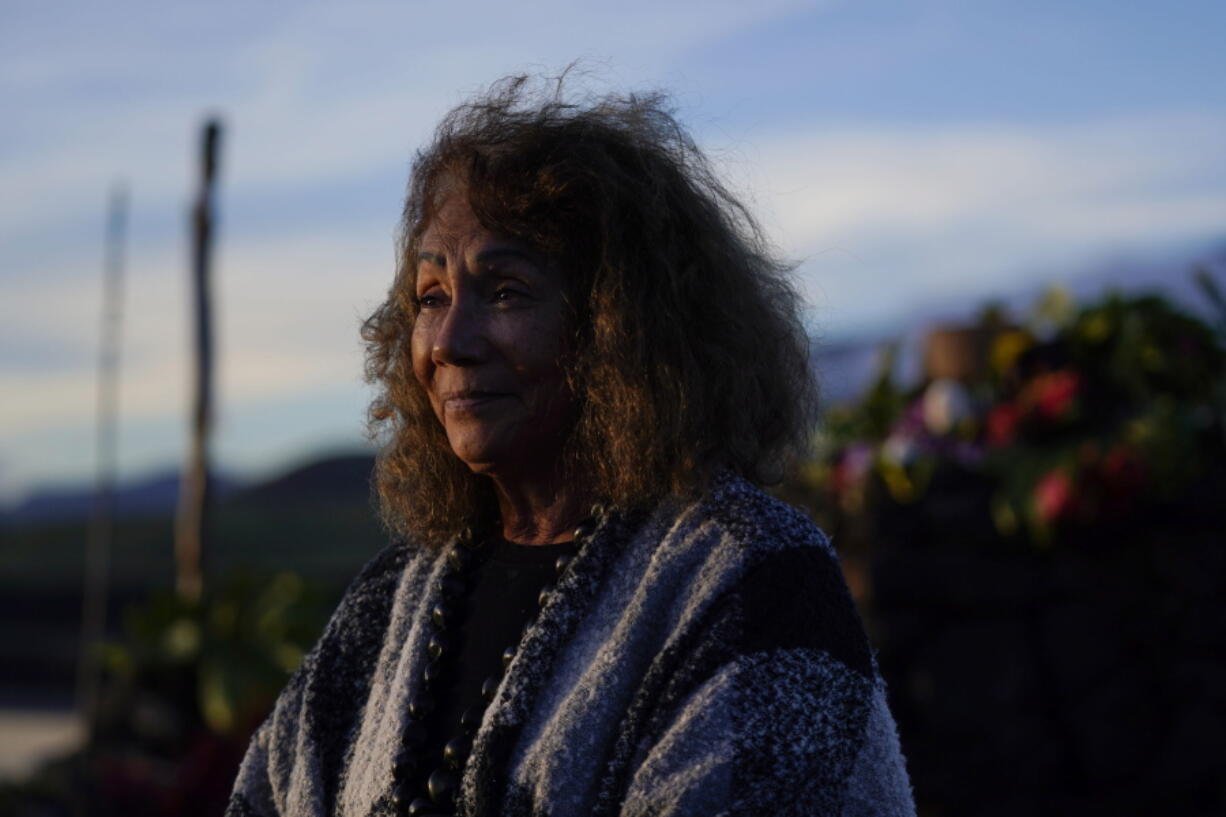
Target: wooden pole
101	527
191	522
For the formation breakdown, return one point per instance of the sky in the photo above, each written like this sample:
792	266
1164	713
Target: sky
897	152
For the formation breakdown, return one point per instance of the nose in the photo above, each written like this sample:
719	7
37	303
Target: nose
460	339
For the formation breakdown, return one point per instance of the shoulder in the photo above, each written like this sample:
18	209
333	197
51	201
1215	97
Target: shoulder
355	629
759	523
790	588
374	583
776	647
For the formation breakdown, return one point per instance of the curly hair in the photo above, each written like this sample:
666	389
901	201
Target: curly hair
688	354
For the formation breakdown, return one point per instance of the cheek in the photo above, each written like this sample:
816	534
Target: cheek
419	353
538	365
541	348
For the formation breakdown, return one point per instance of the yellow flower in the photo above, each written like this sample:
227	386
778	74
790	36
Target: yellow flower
1007	347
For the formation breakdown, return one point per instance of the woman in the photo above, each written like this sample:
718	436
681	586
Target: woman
589	359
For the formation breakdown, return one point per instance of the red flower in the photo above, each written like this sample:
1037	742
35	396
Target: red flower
1122	471
1001	424
849	472
1053	394
1053	496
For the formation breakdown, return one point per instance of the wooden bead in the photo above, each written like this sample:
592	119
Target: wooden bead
456	752
470	721
442	786
489	687
438	614
438	646
420	807
407	766
421	706
459	559
450	587
433	672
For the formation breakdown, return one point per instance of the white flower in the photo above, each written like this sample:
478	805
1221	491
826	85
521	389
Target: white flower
899	449
946	404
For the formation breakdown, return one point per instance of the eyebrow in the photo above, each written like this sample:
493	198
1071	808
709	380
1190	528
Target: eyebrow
486	256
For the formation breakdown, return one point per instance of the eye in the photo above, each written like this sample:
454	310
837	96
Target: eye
507	294
431	300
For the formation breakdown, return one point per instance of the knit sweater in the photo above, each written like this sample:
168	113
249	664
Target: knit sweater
701	659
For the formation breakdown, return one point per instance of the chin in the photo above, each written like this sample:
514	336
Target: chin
498	462
486	468
480	456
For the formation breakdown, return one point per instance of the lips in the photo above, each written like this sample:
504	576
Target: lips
471	400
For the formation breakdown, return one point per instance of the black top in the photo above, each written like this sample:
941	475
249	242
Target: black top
491	617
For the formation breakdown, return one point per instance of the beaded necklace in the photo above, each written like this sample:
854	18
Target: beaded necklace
436	796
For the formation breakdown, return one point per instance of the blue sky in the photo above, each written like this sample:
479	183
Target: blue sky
899	152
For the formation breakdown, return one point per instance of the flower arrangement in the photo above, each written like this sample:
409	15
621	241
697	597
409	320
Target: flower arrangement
1078	423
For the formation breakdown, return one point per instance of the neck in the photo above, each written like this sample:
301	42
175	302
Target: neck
539	512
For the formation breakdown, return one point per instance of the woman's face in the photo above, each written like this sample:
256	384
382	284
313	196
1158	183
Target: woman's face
487	343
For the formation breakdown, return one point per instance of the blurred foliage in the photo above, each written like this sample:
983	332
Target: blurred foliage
184	684
238	644
183	690
1085	419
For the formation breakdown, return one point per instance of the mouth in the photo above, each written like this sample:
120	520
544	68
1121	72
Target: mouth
470	400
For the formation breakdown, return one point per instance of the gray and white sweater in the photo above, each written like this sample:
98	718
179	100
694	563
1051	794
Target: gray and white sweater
703	659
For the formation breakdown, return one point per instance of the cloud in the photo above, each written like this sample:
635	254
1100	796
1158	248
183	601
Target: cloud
287	314
885	215
321	95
